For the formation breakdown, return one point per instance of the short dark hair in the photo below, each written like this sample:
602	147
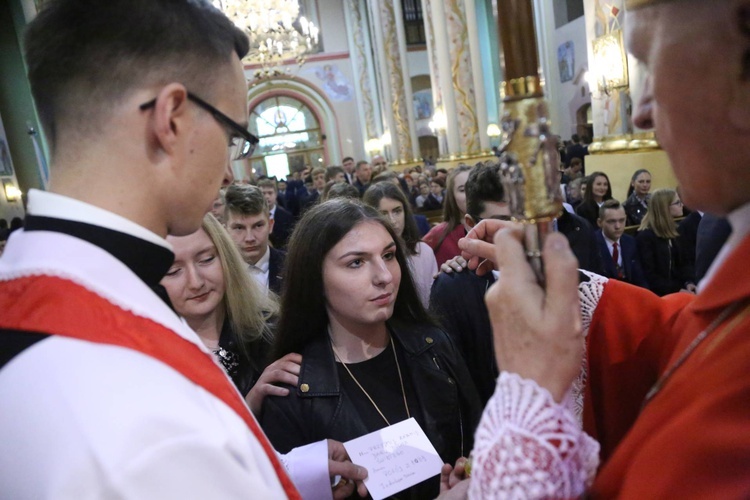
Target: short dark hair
377	192
333	171
609	205
483	185
84	55
303	314
360	163
245	200
348	158
268	183
437	180
340	190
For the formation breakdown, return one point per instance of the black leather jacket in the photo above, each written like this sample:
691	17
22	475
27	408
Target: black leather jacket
448	401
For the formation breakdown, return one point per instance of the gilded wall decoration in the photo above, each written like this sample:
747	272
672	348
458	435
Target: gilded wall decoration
396	79
363	63
462	76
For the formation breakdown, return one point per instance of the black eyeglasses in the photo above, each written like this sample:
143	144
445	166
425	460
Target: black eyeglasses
242	143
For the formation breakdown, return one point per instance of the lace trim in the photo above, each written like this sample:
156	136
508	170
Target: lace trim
589	294
528	446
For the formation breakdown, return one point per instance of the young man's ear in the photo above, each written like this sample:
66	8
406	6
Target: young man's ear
599	222
469	221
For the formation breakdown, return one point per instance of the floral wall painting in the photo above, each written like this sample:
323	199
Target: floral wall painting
566	61
335	83
423	107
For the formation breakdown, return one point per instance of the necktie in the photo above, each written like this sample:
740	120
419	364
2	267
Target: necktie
616	260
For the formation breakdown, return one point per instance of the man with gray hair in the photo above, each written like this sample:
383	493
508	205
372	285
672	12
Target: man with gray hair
668	388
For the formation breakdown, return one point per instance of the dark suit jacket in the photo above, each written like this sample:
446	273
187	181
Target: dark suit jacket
422	224
688	229
712	234
666	268
432	203
283	223
457	300
580	235
275	268
631	262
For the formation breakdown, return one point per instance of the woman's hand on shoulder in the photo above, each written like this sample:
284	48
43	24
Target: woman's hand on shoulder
282	371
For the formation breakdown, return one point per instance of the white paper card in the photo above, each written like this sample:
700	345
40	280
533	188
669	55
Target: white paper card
396	457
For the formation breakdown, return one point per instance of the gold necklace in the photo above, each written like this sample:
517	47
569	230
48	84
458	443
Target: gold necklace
400	379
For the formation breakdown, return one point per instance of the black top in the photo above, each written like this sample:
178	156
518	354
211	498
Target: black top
379	377
244	366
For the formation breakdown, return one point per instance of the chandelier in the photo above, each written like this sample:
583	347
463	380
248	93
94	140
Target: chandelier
276	31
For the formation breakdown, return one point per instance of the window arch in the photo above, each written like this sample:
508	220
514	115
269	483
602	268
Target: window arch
290	136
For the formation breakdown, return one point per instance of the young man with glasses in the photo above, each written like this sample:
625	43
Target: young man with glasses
105	390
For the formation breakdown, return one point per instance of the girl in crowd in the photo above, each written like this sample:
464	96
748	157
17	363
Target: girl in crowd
391	202
209	286
660	248
598	190
636	204
371	355
443	238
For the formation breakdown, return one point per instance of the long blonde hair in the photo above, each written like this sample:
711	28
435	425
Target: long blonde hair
658	219
248	308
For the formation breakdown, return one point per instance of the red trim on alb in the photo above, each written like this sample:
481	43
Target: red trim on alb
56	306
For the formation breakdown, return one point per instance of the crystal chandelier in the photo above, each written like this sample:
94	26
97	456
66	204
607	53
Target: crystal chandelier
276	30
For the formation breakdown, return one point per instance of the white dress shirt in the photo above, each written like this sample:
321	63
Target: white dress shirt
259	271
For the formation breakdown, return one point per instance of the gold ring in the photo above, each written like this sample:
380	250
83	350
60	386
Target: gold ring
342	482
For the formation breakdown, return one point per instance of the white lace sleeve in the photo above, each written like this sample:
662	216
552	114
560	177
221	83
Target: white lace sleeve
589	293
528	446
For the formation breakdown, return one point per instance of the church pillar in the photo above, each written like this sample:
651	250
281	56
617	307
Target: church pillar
395	85
457	79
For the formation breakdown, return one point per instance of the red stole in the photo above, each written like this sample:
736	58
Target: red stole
52	305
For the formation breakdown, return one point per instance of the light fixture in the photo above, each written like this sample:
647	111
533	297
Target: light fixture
276	31
610	66
385	140
12	193
493	130
439	121
374	145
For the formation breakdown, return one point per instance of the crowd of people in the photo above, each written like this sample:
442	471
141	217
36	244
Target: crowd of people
169	332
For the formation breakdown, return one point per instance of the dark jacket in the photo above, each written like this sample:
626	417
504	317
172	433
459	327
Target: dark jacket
713	232
580	235
432	203
631	262
589	210
449	407
666	268
244	367
275	268
635	210
457	300
283	223
688	229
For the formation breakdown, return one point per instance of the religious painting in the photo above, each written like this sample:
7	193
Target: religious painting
335	83
566	61
423	106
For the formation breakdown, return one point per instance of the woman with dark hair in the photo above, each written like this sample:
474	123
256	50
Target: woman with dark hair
371	355
598	190
660	248
443	238
209	286
391	202
636	204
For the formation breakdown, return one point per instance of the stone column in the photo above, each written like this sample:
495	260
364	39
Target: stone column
456	71
395	83
368	99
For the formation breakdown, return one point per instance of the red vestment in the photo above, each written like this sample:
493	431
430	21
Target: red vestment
693	438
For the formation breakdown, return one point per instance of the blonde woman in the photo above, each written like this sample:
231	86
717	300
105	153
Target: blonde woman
209	286
659	246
